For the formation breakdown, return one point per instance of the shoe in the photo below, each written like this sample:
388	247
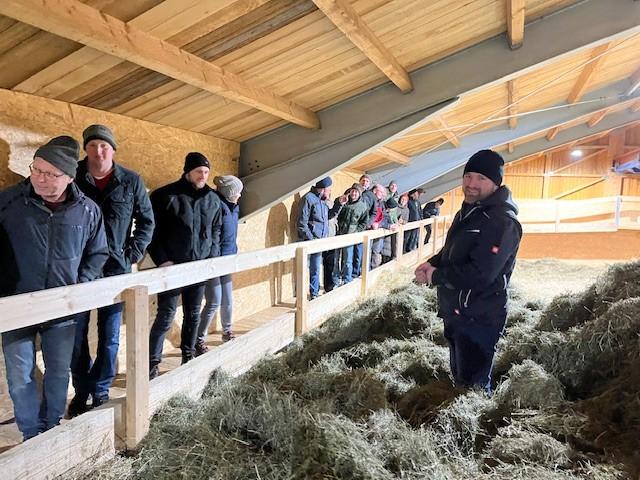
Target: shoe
78	406
227	336
186	358
201	348
96	402
154	371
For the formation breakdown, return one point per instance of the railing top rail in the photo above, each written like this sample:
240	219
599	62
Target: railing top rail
32	308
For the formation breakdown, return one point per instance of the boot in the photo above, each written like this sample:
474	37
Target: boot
201	347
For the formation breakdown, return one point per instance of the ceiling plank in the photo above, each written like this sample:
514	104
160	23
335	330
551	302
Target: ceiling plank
589	69
595	119
513	106
394	156
635	82
81	23
515	23
347	20
442	125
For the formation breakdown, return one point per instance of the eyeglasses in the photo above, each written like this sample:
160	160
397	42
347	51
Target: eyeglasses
42	173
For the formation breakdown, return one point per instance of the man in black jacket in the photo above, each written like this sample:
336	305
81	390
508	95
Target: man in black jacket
188	218
121	195
54	236
415	214
431	209
473	269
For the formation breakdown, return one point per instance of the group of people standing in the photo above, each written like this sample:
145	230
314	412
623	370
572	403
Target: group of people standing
363	206
74	221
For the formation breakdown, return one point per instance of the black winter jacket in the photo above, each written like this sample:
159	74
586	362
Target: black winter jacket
478	257
45	248
123	200
188	223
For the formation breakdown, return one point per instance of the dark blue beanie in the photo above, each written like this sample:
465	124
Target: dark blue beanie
324	183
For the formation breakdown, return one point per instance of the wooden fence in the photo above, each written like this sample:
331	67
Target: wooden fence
125	420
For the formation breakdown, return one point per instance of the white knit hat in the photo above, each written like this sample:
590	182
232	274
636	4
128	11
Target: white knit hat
228	186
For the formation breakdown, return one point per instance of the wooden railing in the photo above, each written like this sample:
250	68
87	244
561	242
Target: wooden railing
94	433
603	214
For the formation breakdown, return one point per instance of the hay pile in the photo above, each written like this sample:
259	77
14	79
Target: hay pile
368	396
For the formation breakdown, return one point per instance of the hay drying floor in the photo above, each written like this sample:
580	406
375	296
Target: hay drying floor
368	395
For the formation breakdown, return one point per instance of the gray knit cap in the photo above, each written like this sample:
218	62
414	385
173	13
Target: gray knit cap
61	152
228	186
98	132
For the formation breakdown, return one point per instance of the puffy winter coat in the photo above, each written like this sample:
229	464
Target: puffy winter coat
49	248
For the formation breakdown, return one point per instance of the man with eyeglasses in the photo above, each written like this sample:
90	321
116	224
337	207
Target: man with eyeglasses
128	218
52	235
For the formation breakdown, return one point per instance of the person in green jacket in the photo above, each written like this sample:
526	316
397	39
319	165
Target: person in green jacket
352	218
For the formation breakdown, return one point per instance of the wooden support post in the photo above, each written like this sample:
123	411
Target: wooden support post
366	263
400	243
421	233
302	290
136	310
557	227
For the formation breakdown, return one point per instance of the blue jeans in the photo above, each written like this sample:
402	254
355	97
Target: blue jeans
95	378
315	263
218	293
343	269
357	260
35	414
167	305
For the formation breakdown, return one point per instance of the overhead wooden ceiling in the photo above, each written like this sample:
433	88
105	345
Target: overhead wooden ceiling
565	80
237	68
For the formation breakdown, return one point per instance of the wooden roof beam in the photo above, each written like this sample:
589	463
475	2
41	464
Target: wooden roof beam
580	87
595	119
394	156
78	22
347	20
512	94
635	82
515	23
551	134
635	107
452	137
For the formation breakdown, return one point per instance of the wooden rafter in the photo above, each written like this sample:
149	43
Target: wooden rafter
76	21
394	156
160	21
345	18
635	82
580	87
551	134
512	98
635	107
511	147
452	137
515	23
597	117
579	188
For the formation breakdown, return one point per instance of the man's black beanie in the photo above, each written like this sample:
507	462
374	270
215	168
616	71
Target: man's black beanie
195	160
488	163
61	152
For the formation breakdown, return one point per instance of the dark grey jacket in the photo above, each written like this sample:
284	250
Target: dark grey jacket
50	248
123	200
188	223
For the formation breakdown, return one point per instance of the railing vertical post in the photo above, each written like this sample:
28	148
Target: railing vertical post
399	242
136	308
302	290
420	242
618	211
557	228
366	263
434	234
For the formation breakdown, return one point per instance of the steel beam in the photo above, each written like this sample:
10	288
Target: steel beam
291	152
436	163
453	178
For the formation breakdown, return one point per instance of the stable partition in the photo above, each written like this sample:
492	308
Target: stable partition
124	421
